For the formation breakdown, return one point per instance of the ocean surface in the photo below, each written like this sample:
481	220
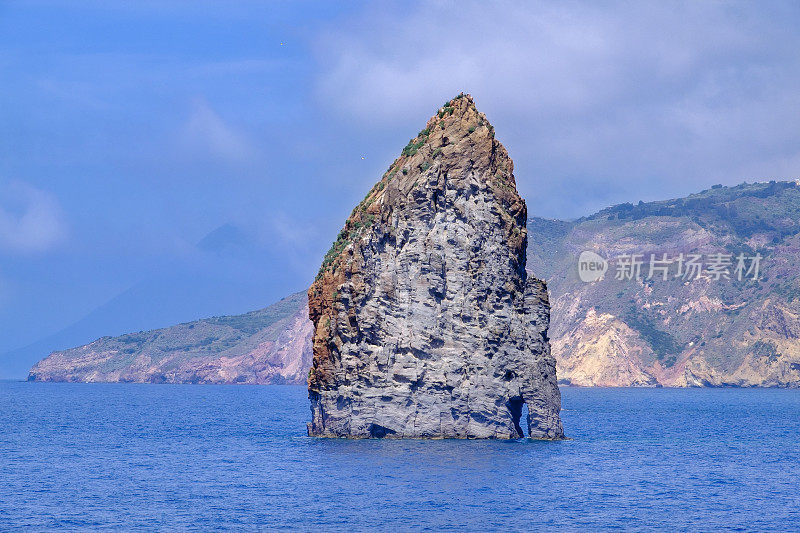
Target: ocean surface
187	457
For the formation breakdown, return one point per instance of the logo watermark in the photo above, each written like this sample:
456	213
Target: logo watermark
688	267
591	266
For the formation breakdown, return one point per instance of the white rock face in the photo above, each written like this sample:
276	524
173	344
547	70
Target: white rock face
426	322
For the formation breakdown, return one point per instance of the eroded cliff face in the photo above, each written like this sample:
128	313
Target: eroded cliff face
678	331
602	351
426	323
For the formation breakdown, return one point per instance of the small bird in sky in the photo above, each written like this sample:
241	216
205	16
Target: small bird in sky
363	157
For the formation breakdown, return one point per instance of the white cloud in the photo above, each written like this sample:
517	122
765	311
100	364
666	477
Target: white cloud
568	56
30	219
206	133
649	98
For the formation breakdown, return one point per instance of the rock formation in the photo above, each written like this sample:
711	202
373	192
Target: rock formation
426	323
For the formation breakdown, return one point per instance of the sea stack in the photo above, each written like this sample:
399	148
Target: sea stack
426	323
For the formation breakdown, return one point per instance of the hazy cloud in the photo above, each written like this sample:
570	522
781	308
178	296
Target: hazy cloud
206	133
565	57
603	102
30	219
295	238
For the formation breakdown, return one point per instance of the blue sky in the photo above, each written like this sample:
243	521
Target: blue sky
133	129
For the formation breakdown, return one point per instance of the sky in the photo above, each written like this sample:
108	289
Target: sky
131	130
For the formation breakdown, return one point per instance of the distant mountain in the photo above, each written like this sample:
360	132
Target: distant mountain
681	331
265	346
227	272
678	331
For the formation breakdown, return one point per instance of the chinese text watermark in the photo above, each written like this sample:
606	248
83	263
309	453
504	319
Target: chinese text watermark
688	267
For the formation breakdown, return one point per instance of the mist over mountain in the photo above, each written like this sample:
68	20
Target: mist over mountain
229	271
269	345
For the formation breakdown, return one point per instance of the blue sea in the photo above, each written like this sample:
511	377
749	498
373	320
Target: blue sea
194	457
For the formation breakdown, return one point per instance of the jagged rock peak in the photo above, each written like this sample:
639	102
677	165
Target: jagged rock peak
426	323
458	137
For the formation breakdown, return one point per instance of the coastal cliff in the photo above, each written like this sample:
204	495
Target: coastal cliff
267	346
679	329
426	323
